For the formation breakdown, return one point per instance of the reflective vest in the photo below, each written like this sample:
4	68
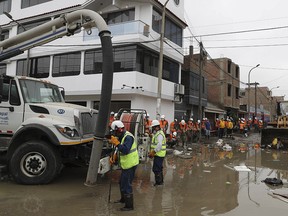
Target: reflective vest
132	158
154	143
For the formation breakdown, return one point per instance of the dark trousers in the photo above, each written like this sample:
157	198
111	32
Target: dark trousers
158	164
126	179
158	170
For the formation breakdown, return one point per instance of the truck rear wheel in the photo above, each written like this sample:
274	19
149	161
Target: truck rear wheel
35	162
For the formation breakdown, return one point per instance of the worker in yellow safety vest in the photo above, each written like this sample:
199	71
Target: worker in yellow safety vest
124	141
158	152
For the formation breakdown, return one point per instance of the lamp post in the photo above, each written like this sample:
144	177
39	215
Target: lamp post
28	50
160	65
248	102
271	99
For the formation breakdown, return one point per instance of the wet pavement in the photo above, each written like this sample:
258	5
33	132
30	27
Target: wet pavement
201	182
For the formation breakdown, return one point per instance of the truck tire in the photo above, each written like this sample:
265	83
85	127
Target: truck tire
35	162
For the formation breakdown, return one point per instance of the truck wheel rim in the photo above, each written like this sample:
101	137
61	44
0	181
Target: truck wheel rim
33	164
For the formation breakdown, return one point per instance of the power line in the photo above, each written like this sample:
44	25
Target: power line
243	31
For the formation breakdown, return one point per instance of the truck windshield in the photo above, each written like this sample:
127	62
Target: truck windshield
39	92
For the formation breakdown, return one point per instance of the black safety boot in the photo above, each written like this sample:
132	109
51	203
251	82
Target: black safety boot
128	203
121	200
158	179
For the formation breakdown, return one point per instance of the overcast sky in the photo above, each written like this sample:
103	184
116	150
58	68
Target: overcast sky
269	48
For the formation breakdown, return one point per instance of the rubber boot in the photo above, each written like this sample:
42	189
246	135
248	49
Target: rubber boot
161	178
158	179
121	200
129	206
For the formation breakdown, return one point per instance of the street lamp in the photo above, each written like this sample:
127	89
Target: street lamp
271	98
248	102
28	50
160	65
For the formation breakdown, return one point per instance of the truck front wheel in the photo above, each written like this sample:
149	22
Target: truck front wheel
35	162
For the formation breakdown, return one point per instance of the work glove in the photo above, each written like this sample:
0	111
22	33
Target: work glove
113	159
114	141
151	154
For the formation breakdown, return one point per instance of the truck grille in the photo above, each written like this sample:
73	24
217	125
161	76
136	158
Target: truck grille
88	123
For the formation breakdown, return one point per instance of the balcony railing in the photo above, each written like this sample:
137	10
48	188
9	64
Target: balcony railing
132	27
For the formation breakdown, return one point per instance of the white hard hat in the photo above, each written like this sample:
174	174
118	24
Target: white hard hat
115	114
147	115
198	121
182	122
155	123
112	113
162	117
117	124
174	133
191	119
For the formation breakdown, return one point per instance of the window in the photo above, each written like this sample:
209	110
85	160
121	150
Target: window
29	3
229	90
132	58
237	71
5	5
119	16
229	66
66	64
237	92
172	31
39	67
4	35
14	95
2	69
26	26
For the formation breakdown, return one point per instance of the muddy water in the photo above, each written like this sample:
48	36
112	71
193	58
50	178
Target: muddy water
203	184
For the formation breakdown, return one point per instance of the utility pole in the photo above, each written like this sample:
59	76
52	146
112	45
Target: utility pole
160	64
255	97
200	85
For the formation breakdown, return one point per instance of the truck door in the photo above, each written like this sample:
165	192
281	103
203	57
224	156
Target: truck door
11	108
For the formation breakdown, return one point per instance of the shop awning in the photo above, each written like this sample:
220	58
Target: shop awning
213	109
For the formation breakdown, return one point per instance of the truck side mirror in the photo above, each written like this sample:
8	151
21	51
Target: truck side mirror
62	91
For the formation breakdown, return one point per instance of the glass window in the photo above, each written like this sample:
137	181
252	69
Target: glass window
66	64
38	91
29	3
4	35
229	90
5	5
14	95
132	58
172	31
119	16
2	69
39	67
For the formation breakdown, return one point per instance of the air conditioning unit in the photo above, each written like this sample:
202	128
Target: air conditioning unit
179	89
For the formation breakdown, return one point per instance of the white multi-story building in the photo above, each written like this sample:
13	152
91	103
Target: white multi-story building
75	62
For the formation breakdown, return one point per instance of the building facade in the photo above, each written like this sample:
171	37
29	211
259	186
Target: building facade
223	85
75	62
190	78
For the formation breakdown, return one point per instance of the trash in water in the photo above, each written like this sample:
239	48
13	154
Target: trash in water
242	168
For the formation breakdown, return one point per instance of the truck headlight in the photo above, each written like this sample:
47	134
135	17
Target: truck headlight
68	131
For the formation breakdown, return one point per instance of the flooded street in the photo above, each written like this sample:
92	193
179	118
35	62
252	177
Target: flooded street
204	183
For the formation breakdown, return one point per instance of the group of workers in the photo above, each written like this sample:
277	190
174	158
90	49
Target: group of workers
181	132
225	127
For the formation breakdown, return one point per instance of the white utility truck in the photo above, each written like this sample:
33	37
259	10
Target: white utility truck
39	131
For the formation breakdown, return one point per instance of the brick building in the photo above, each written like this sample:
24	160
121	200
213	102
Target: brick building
223	82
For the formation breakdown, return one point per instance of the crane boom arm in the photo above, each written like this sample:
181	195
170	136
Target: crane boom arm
65	25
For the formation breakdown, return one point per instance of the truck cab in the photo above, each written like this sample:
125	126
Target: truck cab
39	131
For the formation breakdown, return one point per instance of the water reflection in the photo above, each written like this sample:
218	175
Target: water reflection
204	184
